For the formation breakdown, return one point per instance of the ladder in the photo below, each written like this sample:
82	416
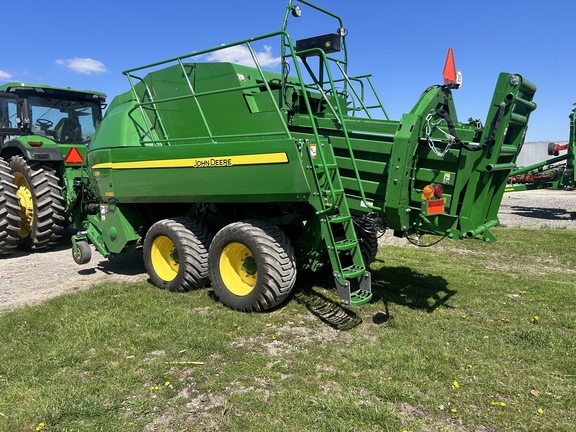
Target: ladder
351	277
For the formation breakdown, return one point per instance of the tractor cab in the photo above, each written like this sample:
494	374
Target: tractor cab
63	116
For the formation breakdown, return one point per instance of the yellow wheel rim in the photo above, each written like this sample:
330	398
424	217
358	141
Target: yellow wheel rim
164	257
26	205
238	269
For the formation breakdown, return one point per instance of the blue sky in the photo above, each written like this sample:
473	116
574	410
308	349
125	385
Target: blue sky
87	45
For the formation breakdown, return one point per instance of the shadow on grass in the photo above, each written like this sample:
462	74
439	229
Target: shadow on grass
327	310
392	285
406	287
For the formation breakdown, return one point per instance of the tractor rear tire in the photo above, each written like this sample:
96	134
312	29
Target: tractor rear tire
41	203
176	254
9	210
252	266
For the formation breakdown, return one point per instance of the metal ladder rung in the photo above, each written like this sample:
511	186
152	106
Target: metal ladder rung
336	192
339	218
360	297
345	244
353	271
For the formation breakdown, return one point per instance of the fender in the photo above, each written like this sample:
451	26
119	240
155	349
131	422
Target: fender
16	146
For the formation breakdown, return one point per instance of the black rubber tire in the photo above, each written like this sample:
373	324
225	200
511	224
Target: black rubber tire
368	240
272	258
9	210
551	149
189	240
83	253
48	205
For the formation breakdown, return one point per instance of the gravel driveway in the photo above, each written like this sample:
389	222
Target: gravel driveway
32	278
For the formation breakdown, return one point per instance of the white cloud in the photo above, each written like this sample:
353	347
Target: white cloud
241	55
5	76
85	66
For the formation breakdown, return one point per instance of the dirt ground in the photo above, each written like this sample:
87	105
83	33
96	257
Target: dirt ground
27	278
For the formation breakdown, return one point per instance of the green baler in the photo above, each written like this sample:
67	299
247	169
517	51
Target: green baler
238	176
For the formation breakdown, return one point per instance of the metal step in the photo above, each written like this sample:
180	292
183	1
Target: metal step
360	297
339	218
336	192
353	271
345	244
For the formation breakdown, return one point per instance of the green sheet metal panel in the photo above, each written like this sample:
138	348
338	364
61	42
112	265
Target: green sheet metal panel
258	171
223	107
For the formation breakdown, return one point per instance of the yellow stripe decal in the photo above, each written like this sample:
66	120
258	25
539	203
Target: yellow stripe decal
207	162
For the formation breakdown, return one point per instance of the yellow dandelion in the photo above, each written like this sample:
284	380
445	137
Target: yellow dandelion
453	410
456	385
503	404
540	411
269	325
469	366
273	337
167	383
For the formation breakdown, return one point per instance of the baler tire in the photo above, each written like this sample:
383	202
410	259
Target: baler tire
252	266
83	253
9	210
176	254
42	214
368	240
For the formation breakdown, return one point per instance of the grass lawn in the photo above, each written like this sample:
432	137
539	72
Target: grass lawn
463	336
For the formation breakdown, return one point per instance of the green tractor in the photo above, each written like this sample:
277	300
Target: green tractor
241	177
44	134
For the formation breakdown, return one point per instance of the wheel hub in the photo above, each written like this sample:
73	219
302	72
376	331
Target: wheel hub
238	269
26	202
164	257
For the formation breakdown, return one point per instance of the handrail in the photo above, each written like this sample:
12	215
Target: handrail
338	113
195	96
140	106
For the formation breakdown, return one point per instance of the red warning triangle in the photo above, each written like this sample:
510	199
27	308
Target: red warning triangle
449	68
74	156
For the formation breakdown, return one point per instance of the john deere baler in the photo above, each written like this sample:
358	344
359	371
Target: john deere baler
237	177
